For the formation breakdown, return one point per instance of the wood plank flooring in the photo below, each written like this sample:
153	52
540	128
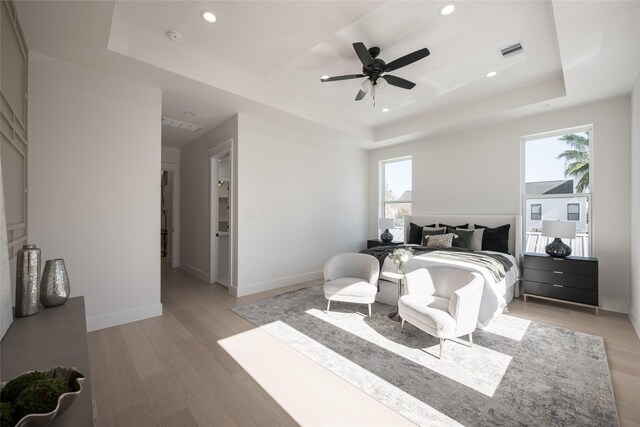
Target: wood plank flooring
172	371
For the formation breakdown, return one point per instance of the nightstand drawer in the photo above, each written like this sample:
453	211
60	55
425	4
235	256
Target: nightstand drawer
566	265
557	277
582	296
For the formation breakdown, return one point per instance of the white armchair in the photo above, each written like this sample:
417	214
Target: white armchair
442	301
351	277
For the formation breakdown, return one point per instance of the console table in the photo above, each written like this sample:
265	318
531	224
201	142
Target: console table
56	336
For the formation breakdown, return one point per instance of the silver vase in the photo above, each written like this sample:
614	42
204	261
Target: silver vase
27	274
54	286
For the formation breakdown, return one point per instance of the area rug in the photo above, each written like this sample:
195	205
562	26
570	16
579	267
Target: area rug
517	372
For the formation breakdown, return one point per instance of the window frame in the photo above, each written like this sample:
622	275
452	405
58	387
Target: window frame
573	213
592	162
382	203
539	214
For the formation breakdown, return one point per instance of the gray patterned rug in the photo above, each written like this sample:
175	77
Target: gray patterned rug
517	373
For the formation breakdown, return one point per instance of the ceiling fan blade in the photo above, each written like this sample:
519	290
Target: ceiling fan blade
397	81
407	59
360	95
363	53
345	77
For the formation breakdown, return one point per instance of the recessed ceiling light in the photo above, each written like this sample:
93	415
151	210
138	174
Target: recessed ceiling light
384	110
208	16
324	77
492	73
189	113
447	9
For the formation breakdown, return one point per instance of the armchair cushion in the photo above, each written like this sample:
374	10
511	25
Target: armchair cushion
350	287
431	315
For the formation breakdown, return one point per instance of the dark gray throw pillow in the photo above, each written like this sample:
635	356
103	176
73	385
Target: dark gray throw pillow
465	226
464	238
415	233
431	231
495	239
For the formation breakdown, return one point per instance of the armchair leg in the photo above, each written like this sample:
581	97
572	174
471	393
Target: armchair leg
402	325
471	340
441	346
328	305
369	311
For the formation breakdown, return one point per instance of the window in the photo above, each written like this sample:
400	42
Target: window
556	186
395	192
573	212
536	212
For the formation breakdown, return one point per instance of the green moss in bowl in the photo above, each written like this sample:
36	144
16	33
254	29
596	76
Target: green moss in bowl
13	388
6	414
40	398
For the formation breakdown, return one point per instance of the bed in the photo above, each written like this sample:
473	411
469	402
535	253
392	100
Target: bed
498	291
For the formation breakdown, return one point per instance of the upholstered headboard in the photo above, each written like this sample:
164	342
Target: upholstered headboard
515	231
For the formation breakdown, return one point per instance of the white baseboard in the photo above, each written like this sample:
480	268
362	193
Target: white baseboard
254	288
635	321
114	319
195	271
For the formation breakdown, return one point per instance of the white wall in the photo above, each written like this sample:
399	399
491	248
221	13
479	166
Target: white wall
94	171
478	172
301	200
194	197
170	155
634	305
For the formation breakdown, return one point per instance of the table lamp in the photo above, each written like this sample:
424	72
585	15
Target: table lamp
385	224
558	230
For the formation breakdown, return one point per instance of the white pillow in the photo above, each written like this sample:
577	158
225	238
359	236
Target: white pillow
476	240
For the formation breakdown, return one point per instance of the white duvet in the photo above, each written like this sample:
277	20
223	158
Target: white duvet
495	297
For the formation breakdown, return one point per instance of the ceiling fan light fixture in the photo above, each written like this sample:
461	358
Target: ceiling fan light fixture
208	16
366	85
492	74
447	9
385	110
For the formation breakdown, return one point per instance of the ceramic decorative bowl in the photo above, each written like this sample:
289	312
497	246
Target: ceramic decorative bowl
74	379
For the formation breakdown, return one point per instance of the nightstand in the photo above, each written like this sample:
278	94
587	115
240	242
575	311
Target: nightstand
573	280
372	243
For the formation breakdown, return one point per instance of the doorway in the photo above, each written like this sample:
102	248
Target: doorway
170	213
221	213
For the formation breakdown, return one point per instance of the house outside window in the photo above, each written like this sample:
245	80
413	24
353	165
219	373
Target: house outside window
395	192
573	212
536	212
556	186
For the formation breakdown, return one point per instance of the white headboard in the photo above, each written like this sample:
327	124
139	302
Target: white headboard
515	231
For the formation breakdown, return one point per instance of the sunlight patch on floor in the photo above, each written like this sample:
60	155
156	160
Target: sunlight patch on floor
510	327
477	367
277	374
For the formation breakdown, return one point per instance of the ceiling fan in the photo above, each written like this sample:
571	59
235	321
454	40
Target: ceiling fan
373	69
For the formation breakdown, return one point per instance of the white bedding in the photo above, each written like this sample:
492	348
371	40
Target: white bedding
495	297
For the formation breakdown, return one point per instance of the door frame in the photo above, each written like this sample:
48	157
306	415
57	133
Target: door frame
175	211
215	153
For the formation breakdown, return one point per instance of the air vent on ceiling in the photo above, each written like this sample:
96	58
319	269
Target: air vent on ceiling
180	125
512	49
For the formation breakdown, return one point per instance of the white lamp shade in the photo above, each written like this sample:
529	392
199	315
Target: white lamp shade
559	229
386	223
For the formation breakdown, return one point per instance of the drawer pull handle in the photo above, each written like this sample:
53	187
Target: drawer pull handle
558	272
558	286
558	259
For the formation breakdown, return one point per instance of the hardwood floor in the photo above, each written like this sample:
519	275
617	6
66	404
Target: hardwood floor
172	370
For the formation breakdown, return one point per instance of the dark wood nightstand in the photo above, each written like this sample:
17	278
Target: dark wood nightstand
372	243
572	280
